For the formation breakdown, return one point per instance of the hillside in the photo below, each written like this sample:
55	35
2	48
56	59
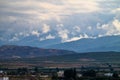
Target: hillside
92	56
12	51
69	60
108	43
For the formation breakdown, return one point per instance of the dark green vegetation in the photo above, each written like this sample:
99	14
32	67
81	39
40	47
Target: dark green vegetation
82	57
68	60
91	57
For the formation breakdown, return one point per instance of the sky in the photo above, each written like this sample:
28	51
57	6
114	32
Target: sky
68	20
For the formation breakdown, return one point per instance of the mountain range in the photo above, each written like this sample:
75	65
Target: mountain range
32	41
107	43
101	44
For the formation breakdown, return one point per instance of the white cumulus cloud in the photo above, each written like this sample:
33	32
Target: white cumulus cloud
45	28
36	33
112	28
14	39
50	37
79	37
63	34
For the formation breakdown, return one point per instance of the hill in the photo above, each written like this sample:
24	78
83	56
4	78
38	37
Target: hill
69	60
92	56
12	51
102	44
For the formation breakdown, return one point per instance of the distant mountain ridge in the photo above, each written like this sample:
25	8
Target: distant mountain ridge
13	51
102	44
32	41
107	43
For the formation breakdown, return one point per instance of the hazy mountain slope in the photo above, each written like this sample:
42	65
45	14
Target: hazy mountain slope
12	51
32	41
108	43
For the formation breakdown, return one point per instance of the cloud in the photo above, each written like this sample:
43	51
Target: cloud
50	37
89	28
74	39
63	33
14	39
111	28
117	10
80	6
45	28
79	37
36	33
42	39
116	24
1	39
65	19
76	28
47	10
59	25
23	34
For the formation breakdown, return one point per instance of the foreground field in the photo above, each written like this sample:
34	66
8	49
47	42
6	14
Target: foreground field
104	66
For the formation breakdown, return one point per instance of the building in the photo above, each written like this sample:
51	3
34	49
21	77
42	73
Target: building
60	74
108	74
4	78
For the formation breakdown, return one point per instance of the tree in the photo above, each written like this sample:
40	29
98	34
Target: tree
89	73
115	75
22	71
70	74
54	76
36	70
